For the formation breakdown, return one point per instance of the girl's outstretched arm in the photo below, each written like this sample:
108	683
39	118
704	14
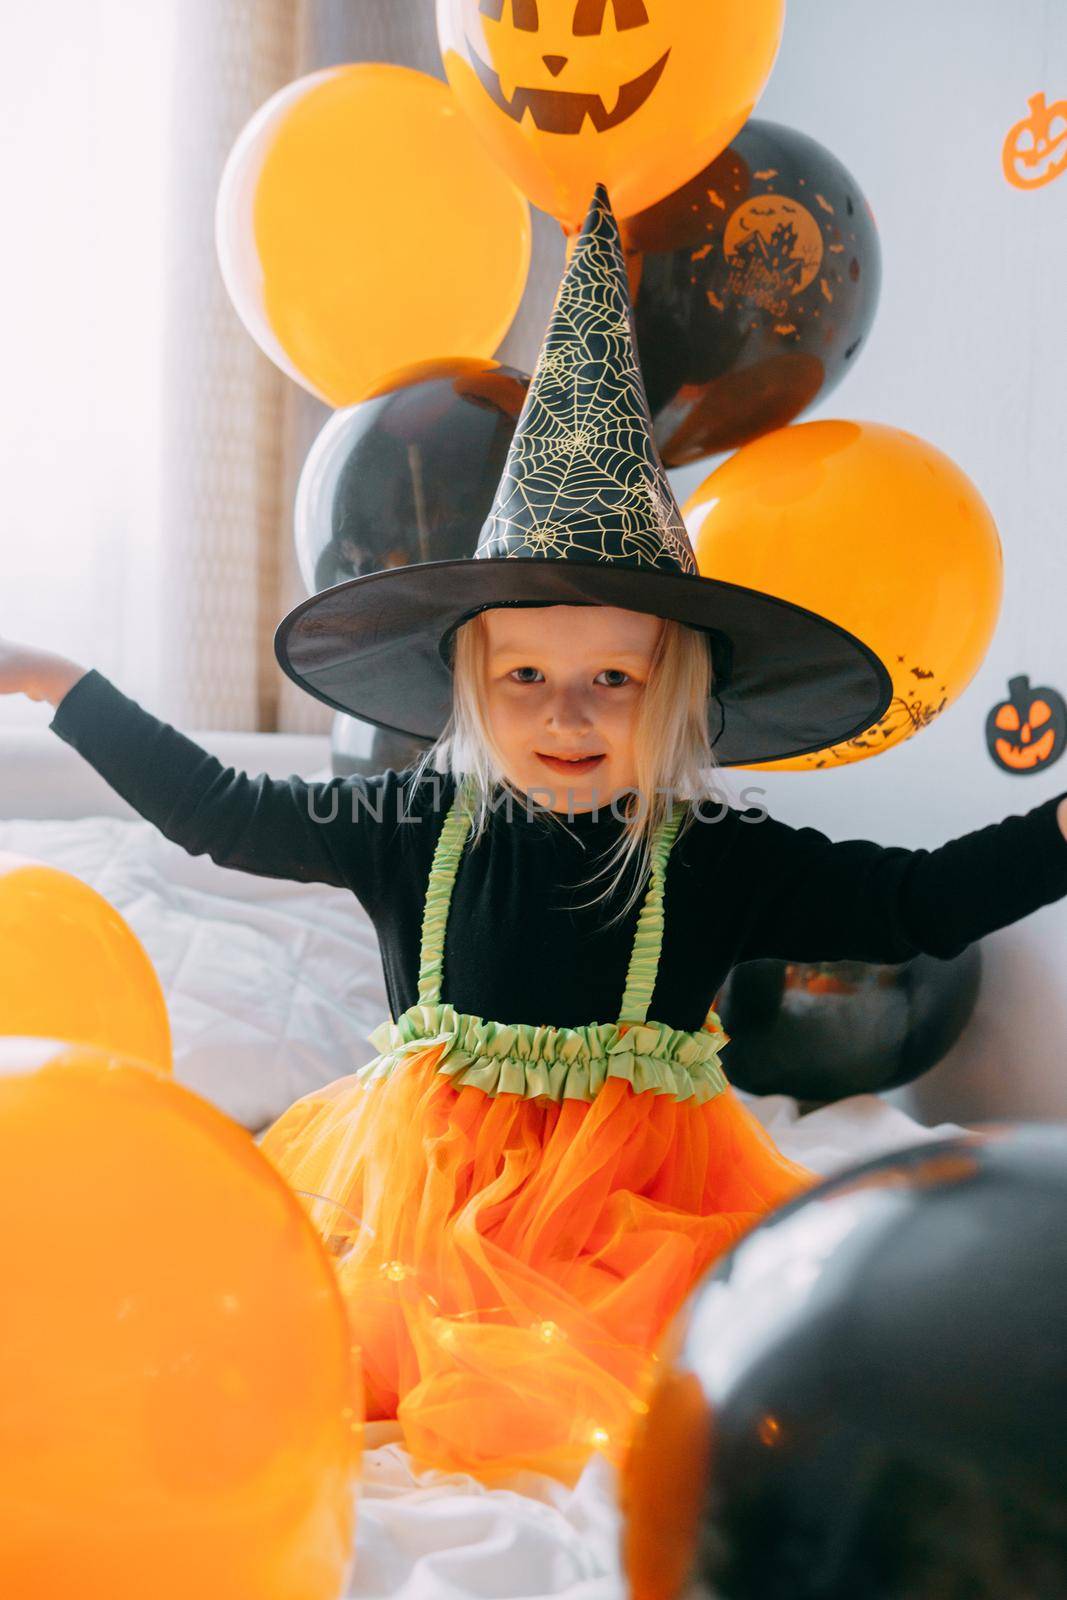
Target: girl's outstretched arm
819	900
336	832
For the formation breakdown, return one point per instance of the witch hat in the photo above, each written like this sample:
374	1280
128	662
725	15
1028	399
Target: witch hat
585	515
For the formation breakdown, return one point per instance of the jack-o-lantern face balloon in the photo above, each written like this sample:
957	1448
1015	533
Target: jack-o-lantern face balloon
635	94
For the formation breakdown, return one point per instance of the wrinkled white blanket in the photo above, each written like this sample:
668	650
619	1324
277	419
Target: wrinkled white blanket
272	987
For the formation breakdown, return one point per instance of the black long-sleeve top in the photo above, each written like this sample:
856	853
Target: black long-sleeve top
520	947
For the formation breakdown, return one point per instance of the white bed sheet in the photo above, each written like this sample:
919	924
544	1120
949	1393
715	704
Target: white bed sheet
272	988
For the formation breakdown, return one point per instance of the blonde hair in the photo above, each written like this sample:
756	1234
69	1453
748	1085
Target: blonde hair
673	755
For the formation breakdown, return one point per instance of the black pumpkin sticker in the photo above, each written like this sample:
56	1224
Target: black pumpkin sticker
1025	733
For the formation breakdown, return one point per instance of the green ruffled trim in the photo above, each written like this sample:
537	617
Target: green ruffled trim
560	1063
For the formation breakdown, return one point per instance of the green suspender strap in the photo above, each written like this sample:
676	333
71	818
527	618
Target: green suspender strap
648	939
531	1060
446	860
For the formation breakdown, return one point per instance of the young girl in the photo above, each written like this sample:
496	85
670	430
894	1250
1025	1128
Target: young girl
522	1187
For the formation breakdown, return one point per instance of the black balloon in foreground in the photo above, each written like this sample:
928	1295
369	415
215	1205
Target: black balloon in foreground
406	476
825	1030
868	1396
754	286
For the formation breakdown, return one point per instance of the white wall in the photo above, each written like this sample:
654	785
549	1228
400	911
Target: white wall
969	350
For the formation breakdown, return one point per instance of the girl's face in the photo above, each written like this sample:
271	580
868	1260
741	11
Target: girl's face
564	684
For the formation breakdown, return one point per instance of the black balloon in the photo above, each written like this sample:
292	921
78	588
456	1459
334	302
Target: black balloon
822	1031
408	475
754	288
880	1369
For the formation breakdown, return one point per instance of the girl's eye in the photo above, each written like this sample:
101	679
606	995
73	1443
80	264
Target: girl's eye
614	676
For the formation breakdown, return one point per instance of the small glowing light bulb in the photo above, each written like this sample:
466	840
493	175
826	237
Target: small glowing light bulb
770	1430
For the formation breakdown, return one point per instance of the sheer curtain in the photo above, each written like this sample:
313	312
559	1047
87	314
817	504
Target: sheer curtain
143	434
149	452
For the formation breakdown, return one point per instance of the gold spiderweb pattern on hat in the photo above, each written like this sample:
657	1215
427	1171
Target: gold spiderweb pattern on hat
583	479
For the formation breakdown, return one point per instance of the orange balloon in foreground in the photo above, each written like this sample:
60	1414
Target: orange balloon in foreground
636	94
361	227
72	968
877	530
177	1411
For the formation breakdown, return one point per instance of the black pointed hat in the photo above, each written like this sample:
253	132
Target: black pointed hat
585	515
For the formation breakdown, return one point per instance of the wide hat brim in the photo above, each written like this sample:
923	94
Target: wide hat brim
787	681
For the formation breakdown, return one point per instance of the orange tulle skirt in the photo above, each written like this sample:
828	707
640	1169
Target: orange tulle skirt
510	1264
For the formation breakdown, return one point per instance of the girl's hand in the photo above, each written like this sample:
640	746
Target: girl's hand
39	674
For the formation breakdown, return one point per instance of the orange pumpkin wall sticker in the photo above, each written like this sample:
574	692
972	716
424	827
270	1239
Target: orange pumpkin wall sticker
1025	733
636	94
1035	151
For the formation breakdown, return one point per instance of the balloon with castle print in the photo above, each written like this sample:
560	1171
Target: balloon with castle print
585	515
755	287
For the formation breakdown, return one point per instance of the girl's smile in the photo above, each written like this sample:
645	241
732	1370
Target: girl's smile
571	764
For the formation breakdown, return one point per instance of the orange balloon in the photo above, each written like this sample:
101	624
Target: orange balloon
177	1411
72	968
877	530
636	94
663	1485
361	227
